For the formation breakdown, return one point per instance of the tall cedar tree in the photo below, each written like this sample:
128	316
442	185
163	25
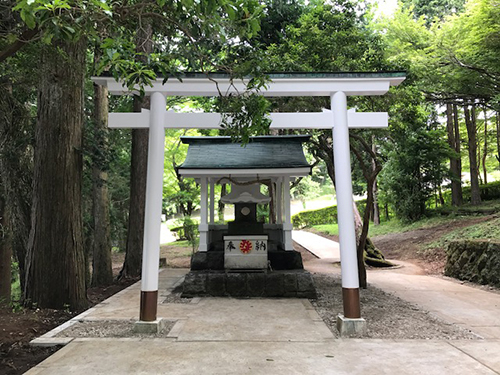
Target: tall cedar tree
102	273
55	276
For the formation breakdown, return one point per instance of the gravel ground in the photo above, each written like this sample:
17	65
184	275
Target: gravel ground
387	316
110	328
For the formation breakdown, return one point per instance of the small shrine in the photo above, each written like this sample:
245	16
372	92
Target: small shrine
246	245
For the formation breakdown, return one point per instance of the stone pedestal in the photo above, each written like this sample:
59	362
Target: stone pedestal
350	327
153	327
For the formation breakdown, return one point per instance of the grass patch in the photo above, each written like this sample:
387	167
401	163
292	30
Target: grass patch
392	226
331	229
181	243
487	230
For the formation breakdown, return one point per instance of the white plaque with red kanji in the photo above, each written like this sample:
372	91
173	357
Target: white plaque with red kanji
245	252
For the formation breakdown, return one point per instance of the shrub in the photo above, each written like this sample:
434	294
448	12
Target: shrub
327	215
488	192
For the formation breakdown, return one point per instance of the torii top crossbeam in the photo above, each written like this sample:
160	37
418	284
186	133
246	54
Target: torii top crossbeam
335	85
282	84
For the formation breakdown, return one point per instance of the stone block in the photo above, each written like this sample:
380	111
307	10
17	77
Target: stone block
195	284
215	260
350	327
275	285
256	284
305	282
199	261
290	283
150	327
216	284
236	284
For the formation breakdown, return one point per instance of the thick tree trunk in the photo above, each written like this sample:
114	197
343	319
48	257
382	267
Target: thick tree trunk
55	260
470	121
139	164
455	164
102	273
16	171
5	256
485	149
135	234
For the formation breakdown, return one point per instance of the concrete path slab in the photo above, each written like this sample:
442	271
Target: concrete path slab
228	319
466	306
352	357
319	246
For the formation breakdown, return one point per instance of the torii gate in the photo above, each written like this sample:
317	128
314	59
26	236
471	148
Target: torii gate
335	85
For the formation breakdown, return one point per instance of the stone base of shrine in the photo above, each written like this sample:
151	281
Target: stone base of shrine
285	283
278	259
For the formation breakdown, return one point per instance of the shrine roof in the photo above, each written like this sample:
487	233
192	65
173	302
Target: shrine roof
260	153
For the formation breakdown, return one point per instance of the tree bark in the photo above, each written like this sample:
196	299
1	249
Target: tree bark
5	256
223	192
102	273
55	259
498	137
485	149
16	170
455	163
470	122
376	208
139	167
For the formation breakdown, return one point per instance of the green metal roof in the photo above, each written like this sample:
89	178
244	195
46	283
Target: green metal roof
265	152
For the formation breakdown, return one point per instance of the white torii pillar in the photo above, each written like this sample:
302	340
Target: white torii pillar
345	214
154	195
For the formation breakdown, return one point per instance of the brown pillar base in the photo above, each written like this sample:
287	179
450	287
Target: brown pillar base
350	298
149	305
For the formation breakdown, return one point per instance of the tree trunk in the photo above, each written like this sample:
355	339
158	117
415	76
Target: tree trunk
5	256
55	261
485	149
138	175
470	122
102	273
376	208
456	124
16	170
223	192
361	236
498	137
456	185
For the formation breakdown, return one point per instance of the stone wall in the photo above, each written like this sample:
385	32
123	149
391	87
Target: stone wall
474	260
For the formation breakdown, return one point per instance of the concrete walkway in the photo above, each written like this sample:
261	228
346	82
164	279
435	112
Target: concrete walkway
322	247
467	306
266	336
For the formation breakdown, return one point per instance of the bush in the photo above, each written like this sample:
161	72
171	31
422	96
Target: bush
488	192
327	215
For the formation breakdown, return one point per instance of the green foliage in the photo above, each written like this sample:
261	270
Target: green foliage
416	156
315	217
488	191
327	215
